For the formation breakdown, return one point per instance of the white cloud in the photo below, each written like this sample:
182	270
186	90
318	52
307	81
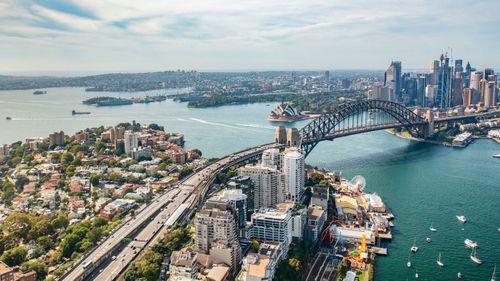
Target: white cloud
248	34
68	20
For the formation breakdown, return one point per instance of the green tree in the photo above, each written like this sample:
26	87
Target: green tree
69	245
184	172
18	224
60	222
255	246
94	180
67	158
14	256
39	267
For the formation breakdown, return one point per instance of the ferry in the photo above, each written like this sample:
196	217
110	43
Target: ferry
462	219
475	259
74	112
470	244
496	156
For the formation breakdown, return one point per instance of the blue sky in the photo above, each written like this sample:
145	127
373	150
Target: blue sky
94	36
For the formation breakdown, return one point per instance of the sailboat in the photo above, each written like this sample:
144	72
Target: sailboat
462	219
414	248
493	278
459	275
439	262
474	258
432	228
416	274
408	264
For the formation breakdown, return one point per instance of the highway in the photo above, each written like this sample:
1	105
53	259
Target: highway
108	259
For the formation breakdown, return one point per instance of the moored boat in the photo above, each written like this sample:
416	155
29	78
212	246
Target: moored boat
462	219
470	244
414	248
496	155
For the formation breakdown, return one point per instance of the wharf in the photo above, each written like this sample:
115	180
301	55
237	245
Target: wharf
387	235
379	251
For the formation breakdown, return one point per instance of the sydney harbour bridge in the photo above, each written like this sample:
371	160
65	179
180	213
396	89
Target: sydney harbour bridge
183	199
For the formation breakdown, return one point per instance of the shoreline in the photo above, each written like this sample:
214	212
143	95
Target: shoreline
447	144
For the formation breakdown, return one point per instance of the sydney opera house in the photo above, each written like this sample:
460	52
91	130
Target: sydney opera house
285	113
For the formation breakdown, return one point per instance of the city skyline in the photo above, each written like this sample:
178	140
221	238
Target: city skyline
104	36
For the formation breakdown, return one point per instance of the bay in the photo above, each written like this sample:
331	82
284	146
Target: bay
421	183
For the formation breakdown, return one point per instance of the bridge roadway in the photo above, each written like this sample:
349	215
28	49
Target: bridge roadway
147	224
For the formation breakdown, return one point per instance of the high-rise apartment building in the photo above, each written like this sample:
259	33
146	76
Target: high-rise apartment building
266	184
131	141
271	158
272	226
56	138
216	229
293	174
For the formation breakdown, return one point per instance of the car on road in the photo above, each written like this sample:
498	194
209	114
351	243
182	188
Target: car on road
113	258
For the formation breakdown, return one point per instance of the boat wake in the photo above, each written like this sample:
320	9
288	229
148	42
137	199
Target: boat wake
256	126
213	123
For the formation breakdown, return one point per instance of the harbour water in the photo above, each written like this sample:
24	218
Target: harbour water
421	183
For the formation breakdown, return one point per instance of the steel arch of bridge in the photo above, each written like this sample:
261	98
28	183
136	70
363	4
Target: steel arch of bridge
324	127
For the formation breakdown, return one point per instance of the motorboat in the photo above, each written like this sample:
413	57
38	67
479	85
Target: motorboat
408	264
496	156
459	275
414	248
8	118
470	244
474	258
432	229
428	239
416	274
462	219
439	262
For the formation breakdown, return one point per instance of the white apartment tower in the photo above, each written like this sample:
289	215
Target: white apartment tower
293	174
131	141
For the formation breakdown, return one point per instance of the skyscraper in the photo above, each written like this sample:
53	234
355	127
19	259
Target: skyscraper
476	76
392	80
443	98
293	174
467	97
421	83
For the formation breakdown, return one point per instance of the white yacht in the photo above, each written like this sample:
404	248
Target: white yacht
496	156
432	228
462	219
470	244
414	248
474	258
439	262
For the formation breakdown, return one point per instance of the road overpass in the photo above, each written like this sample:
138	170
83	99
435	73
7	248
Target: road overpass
111	256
